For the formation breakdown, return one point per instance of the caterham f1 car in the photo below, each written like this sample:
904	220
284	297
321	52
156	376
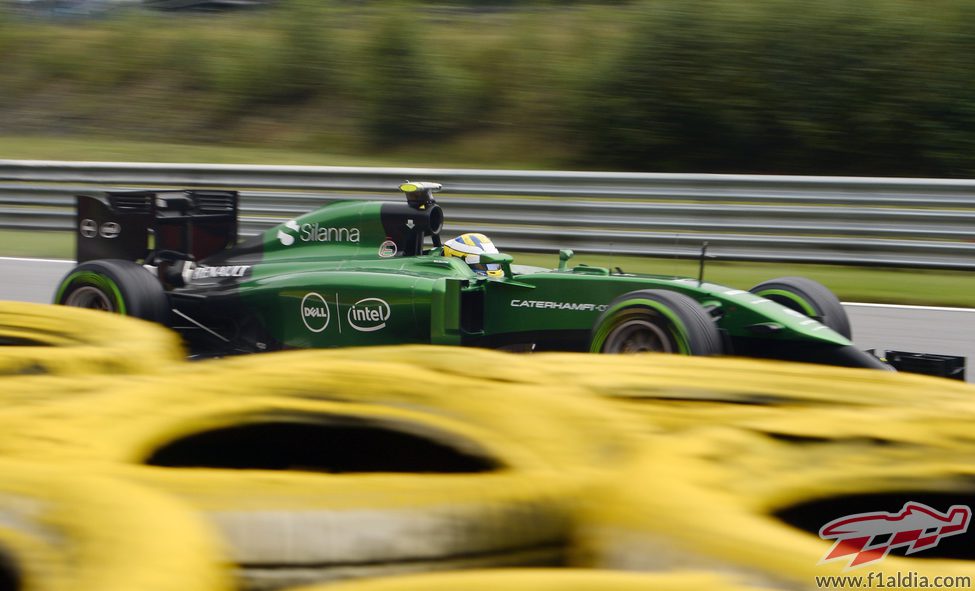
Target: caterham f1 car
375	273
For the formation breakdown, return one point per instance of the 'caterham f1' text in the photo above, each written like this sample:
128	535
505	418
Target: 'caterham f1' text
547	305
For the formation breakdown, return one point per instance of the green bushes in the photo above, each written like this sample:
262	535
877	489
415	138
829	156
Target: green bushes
763	86
869	87
402	99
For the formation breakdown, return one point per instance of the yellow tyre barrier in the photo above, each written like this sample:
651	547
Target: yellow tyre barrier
563	424
33	391
671	377
61	529
737	502
674	392
46	339
529	579
316	468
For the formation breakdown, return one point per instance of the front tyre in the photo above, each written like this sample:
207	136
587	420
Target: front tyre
655	320
115	285
809	298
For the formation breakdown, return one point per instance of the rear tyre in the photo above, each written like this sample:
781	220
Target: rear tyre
655	320
809	298
114	285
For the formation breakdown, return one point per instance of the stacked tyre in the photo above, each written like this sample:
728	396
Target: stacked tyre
673	393
740	502
63	528
545	580
38	339
315	469
315	466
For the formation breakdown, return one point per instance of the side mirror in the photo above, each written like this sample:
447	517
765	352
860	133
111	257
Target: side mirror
498	258
564	255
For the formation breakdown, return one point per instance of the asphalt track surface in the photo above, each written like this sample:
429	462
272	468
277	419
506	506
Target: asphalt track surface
945	331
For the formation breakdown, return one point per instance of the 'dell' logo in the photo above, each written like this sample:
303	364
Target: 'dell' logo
314	312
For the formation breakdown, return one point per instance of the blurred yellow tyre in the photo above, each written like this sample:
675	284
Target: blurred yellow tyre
654	376
316	468
60	340
562	424
543	580
738	502
673	392
35	391
62	529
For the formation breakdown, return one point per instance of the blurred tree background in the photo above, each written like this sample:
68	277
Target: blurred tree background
872	87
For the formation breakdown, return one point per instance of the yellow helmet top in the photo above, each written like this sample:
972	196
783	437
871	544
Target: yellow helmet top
470	247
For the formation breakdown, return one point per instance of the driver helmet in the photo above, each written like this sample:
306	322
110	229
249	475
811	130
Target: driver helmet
470	247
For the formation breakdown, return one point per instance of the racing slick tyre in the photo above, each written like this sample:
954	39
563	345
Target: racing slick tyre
739	502
316	469
45	339
655	320
115	285
809	298
64	529
541	579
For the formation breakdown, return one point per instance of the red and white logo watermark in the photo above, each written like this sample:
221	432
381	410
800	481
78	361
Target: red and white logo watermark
865	538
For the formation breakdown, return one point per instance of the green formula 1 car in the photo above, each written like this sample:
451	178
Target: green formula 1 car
376	273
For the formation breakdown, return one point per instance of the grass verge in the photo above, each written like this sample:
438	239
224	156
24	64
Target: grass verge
94	149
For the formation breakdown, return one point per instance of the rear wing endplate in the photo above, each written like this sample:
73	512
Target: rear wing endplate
133	224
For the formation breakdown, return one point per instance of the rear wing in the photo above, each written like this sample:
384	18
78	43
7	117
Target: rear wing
132	225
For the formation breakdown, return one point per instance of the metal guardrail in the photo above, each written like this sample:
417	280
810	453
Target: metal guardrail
839	220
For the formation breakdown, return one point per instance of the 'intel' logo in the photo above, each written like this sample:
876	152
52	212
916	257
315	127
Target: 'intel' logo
369	315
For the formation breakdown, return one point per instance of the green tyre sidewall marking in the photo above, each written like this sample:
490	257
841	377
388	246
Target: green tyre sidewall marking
806	307
679	331
95	280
